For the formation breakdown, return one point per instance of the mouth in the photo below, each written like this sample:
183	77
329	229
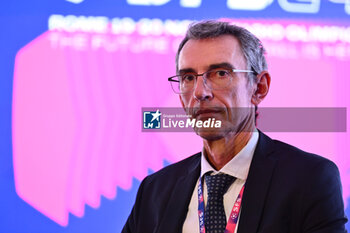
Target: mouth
208	112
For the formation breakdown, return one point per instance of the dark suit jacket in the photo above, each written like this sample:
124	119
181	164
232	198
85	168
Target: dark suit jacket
287	190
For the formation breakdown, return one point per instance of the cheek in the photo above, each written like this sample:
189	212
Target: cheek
232	98
243	95
236	102
186	100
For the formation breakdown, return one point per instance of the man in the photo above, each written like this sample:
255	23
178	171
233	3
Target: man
242	181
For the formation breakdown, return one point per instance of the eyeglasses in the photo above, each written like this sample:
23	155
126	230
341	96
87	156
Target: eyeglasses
216	79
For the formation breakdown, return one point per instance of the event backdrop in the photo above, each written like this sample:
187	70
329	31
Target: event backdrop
75	75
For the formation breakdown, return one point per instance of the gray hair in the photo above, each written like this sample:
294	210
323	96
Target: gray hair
251	46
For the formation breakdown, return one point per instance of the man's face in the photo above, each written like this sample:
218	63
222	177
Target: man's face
231	104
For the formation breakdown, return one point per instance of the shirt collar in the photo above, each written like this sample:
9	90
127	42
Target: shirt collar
239	165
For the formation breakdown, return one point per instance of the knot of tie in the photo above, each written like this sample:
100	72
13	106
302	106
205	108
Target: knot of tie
217	185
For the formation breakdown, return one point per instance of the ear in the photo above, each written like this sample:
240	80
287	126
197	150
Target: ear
262	87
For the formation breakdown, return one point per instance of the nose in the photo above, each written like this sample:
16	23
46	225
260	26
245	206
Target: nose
202	91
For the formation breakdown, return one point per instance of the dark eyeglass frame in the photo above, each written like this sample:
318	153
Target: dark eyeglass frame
172	78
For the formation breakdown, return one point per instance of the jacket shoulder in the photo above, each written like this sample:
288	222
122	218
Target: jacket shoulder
291	153
177	169
292	160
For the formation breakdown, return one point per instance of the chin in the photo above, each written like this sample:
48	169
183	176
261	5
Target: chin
210	134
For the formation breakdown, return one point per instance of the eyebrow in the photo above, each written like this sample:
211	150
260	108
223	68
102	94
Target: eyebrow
187	70
221	65
225	65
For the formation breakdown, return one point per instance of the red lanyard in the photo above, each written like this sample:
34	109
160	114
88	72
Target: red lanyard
232	221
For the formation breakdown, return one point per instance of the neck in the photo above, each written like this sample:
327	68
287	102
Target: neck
220	152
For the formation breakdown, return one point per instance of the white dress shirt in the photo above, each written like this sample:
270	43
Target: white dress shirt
238	167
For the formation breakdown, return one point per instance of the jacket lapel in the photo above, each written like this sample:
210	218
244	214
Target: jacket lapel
257	185
179	200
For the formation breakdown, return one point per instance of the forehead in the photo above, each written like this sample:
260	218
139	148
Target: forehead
200	54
